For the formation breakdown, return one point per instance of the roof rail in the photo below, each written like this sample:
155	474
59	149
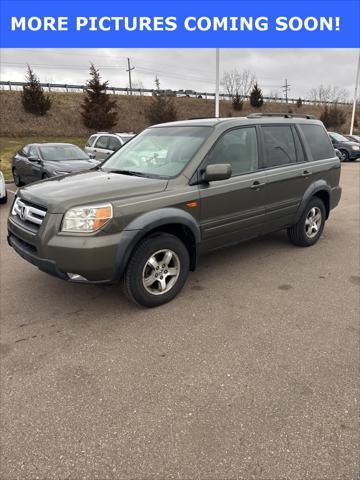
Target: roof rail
285	115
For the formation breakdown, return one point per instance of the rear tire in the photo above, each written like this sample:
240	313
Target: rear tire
157	270
17	178
308	229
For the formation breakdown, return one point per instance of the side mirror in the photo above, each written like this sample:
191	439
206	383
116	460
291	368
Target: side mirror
213	173
33	158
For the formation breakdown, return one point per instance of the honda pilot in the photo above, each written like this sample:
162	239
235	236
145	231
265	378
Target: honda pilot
177	190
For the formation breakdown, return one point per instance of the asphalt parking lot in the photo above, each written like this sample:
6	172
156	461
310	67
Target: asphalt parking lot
252	372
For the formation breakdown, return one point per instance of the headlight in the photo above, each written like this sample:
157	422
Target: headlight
59	172
355	147
87	219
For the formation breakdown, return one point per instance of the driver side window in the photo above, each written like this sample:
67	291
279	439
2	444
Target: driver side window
239	149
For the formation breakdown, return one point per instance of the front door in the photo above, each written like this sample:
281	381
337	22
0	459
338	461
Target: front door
233	209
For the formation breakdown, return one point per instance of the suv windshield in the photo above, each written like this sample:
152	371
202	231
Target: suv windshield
54	153
338	137
159	152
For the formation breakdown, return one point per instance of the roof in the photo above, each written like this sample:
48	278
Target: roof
238	121
52	144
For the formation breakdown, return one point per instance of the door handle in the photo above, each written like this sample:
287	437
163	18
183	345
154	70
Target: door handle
306	173
257	185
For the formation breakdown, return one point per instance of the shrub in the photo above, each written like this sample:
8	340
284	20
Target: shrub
98	109
33	97
237	102
256	97
333	117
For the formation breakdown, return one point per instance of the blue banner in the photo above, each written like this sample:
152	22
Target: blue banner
193	24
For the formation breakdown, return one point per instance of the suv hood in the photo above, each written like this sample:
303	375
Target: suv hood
60	193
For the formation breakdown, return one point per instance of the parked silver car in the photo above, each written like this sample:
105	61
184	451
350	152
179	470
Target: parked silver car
102	144
3	192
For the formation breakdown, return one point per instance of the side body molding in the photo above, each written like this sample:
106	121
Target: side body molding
147	222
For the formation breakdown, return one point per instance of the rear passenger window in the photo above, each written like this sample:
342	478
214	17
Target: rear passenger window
319	142
279	145
102	142
114	143
237	147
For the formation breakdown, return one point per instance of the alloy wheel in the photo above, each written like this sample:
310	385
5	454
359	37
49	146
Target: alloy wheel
161	272
313	222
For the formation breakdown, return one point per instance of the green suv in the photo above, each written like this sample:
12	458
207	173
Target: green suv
173	192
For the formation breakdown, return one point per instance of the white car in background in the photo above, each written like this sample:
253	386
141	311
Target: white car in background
3	192
102	144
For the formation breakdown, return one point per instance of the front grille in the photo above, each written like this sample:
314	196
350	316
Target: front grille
29	215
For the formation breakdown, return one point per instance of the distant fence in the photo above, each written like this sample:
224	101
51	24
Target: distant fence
64	87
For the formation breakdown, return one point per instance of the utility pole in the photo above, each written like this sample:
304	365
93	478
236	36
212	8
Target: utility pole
355	96
217	86
129	69
286	89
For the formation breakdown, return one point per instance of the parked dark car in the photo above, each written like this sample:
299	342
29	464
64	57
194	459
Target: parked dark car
353	138
37	161
175	191
349	150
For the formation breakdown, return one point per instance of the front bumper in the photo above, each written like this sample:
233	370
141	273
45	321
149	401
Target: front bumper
354	154
27	253
88	259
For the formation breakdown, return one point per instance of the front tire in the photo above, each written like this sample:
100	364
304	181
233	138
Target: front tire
157	270
345	155
308	229
17	179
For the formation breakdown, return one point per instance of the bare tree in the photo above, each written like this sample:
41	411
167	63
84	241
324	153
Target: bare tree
328	93
238	83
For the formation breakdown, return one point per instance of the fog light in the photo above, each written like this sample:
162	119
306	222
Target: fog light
75	277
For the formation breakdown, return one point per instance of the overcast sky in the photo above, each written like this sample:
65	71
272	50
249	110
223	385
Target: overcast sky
188	68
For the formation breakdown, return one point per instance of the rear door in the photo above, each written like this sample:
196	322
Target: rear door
101	147
89	147
286	172
114	144
233	209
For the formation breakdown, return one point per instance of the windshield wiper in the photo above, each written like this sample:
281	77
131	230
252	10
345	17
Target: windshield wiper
128	172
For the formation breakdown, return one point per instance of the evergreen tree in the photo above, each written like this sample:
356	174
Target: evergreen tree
98	110
33	97
256	97
333	117
162	108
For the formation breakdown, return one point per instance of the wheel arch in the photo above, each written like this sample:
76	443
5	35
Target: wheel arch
170	220
318	189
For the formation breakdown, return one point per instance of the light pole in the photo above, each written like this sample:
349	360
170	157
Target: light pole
217	86
355	96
